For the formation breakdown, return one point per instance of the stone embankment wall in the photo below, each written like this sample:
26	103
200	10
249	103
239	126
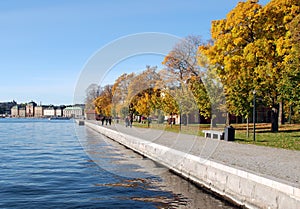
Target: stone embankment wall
243	188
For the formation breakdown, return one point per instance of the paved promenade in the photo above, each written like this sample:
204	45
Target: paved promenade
276	164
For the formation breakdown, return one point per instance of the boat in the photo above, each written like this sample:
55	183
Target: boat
59	118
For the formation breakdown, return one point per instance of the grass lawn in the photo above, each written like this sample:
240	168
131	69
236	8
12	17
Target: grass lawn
288	136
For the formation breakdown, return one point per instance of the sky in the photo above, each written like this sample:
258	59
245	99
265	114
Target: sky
45	46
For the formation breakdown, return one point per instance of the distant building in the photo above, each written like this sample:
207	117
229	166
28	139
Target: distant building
59	112
22	112
15	111
90	115
49	111
18	111
74	112
39	111
80	105
30	107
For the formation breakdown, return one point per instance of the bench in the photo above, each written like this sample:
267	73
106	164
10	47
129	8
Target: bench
213	134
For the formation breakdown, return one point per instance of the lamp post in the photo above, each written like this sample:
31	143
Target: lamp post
254	115
180	114
180	120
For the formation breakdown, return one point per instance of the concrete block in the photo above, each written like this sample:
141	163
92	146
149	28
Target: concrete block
265	196
285	201
296	193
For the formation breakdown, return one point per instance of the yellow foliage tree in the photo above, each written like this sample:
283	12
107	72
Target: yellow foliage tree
141	92
103	103
120	103
250	50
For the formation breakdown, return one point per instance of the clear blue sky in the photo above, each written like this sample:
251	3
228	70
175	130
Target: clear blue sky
44	45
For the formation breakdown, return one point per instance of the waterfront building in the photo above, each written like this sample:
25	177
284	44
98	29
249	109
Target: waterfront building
30	109
39	111
74	112
49	111
59	112
22	112
18	111
15	111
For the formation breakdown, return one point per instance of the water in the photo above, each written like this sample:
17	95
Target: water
47	164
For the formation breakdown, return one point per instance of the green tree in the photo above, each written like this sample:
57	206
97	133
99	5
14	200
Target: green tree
185	101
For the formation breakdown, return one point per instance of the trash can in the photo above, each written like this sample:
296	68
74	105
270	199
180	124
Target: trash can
229	133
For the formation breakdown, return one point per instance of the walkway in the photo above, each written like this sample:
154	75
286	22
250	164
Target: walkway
277	164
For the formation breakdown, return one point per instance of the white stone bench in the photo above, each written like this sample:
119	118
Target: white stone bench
213	134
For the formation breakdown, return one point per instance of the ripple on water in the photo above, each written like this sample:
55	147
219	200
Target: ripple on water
47	164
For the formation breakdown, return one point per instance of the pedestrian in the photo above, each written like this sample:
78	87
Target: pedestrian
102	120
109	120
126	121
130	121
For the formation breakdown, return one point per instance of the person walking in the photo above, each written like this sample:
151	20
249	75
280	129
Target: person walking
102	120
126	121
130	118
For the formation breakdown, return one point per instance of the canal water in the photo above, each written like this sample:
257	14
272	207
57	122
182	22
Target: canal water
58	164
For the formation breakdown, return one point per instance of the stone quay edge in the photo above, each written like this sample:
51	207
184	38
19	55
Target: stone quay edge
241	187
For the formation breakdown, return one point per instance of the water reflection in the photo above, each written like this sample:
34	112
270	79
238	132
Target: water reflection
138	172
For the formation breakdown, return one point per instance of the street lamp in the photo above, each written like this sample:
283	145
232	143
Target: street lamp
254	115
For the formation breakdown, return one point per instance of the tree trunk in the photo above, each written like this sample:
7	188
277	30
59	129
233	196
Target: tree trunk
213	123
290	114
281	114
187	120
228	119
180	121
274	119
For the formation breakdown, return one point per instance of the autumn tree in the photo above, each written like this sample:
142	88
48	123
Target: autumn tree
92	92
182	59
145	102
168	103
294	32
249	52
103	103
142	92
120	94
292	86
228	53
182	64
167	84
276	74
